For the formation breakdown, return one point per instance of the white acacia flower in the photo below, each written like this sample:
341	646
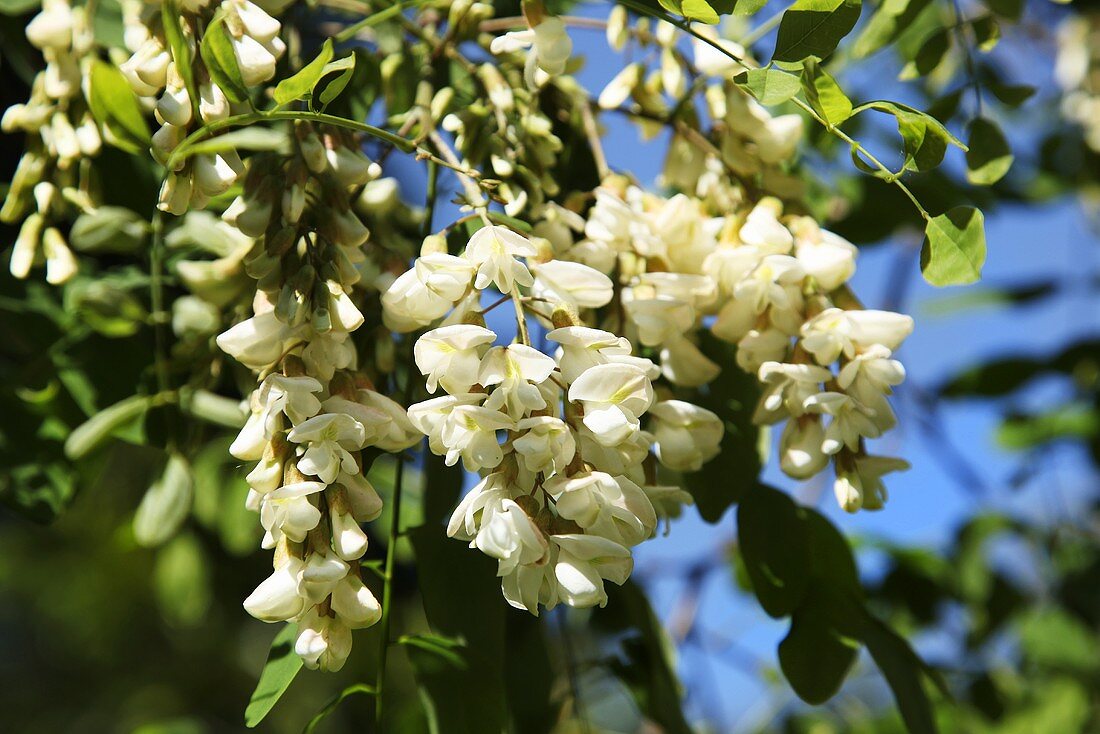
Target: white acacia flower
494	250
786	388
516	371
668	501
713	62
583	347
547	444
363	499
276	598
835	331
53	27
870	377
550	48
324	642
613	396
354	603
610	507
258	342
394	432
329	440
851	420
624	458
289	511
325	353
763	230
478	506
470	432
829	259
683	363
320	575
571	283
686	435
621	86
429	416
451	356
348	539
658	320
448	276
529	586
511	537
760	346
583	563
861	486
800	454
292	396
408	304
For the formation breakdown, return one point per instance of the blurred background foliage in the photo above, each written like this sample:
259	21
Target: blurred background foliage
107	628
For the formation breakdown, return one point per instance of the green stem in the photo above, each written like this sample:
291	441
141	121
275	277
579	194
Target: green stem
156	302
375	18
248	118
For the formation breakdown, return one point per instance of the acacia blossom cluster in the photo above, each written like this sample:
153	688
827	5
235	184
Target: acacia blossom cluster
568	484
154	72
773	285
50	181
315	409
1077	71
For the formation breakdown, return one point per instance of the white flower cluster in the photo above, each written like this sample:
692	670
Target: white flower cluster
767	284
568	485
61	132
153	72
314	410
1077	71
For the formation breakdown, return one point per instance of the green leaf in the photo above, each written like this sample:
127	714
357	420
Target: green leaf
646	656
1053	638
990	155
1012	95
115	107
813	28
773	539
447	649
248	138
335	701
181	580
166	504
278	673
344	70
954	247
924	137
769	86
987	32
181	51
931	53
824	95
217	53
109	229
903	671
302	83
447	571
748	7
819	650
18	7
1073	421
699	10
890	20
94	432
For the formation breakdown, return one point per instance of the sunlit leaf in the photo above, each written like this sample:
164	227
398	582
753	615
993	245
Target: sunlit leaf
954	247
279	671
813	28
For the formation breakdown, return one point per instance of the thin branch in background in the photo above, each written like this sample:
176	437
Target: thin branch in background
571	667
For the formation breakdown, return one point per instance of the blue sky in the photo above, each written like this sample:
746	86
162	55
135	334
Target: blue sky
926	503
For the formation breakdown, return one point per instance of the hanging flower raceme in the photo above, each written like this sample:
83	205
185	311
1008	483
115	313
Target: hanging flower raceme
315	409
50	187
771	284
188	98
558	440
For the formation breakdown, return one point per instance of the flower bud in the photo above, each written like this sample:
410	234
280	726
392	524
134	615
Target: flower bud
800	454
174	106
175	194
26	245
213	104
60	261
256	63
